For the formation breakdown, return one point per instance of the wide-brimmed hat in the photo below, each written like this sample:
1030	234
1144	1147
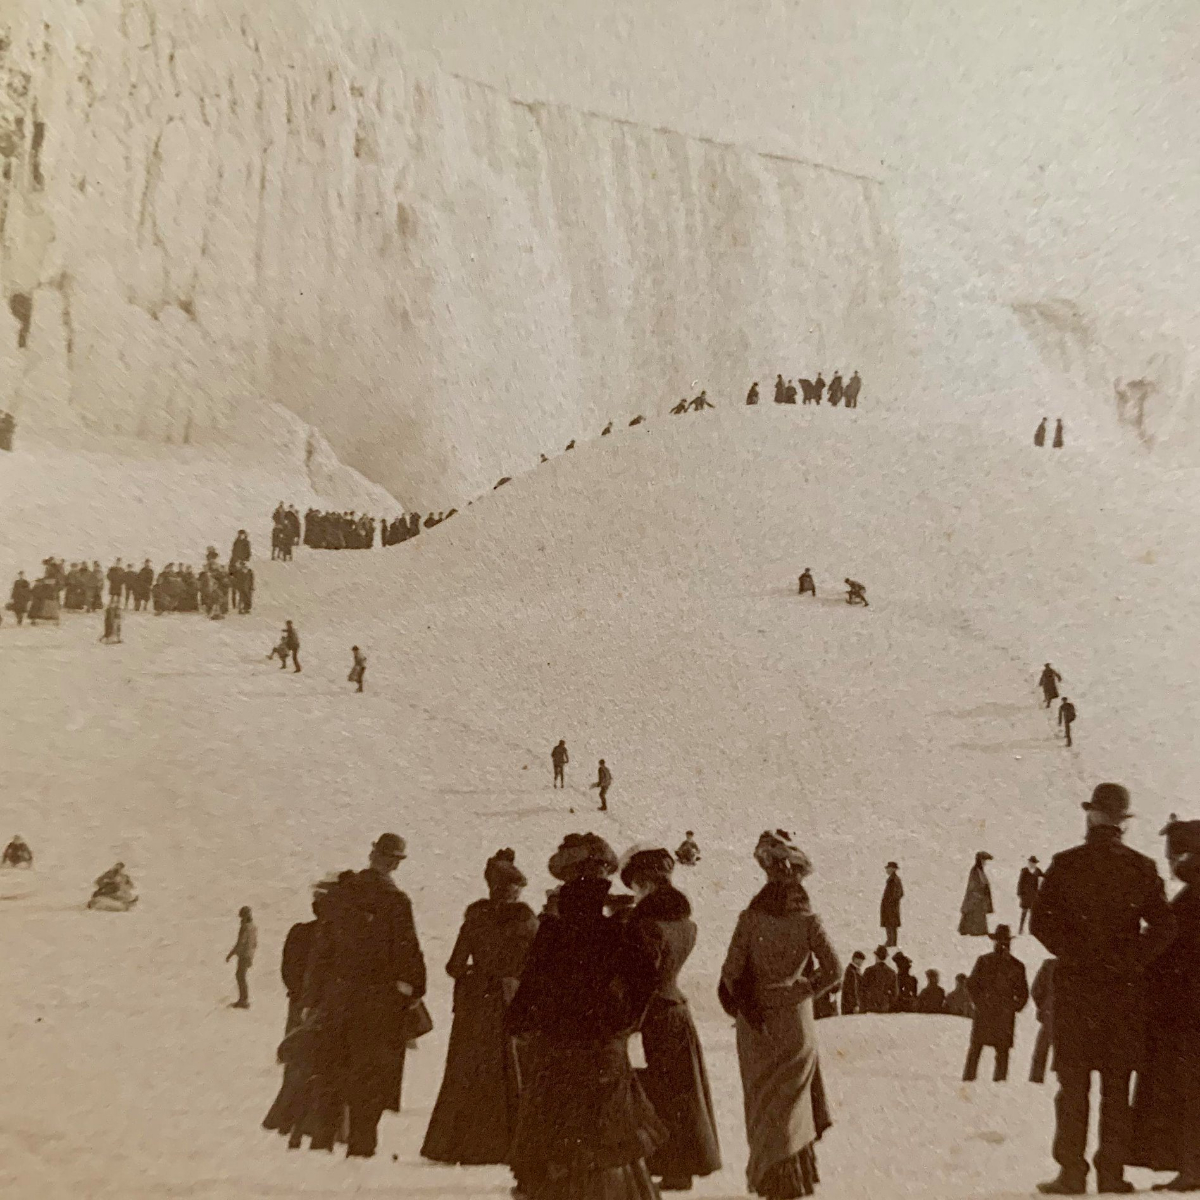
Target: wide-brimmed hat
1111	800
1002	933
777	846
582	853
391	844
645	858
502	870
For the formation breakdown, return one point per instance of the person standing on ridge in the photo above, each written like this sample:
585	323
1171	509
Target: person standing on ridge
752	394
931	1000
1048	681
603	782
290	645
879	987
116	580
1066	718
1058	434
559	758
1039	437
807	586
889	906
818	387
244	950
359	669
1102	912
1028	883
906	984
789	393
779	389
1000	990
835	389
853	387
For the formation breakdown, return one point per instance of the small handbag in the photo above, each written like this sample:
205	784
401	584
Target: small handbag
416	1021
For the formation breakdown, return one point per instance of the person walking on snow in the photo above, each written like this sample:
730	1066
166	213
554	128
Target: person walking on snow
1039	437
889	906
603	782
1028	883
1058	434
243	950
752	394
1048	681
977	900
807	586
879	989
559	758
853	387
359	669
1000	990
291	645
22	590
856	593
1066	718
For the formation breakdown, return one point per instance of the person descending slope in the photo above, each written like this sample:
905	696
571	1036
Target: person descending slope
1048	681
807	586
1066	718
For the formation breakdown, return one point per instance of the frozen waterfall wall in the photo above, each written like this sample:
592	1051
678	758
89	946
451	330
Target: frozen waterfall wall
209	206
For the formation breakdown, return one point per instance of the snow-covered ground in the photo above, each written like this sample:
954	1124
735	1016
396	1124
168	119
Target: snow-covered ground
636	597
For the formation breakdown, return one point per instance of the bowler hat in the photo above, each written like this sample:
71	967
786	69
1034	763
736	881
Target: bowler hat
1002	933
391	844
1110	800
893	866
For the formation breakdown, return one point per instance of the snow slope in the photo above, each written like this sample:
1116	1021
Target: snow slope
637	597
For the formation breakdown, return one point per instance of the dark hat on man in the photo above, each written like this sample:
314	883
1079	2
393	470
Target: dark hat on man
1002	935
902	960
1110	800
391	844
892	866
1033	859
1183	837
502	870
857	956
881	953
581	854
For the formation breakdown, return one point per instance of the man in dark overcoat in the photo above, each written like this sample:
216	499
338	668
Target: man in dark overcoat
999	990
852	984
1028	883
366	975
889	906
1102	912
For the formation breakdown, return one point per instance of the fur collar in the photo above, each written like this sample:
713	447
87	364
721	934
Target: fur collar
665	903
781	899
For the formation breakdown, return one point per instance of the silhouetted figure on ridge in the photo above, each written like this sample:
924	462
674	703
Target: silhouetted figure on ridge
889	906
853	387
752	394
807	586
789	393
931	999
779	389
1039	437
1058	434
702	402
1048	681
818	387
879	988
835	389
358	670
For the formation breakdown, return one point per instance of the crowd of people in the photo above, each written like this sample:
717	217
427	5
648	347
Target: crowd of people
573	1057
812	391
213	589
338	530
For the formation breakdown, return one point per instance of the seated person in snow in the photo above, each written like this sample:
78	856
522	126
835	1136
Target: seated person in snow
856	593
688	854
807	584
17	853
114	891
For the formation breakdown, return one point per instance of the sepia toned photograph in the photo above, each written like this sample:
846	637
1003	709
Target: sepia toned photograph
599	600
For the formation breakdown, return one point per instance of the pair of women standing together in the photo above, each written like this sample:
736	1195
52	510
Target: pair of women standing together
564	1107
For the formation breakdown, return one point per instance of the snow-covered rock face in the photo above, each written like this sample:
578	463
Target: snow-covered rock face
207	206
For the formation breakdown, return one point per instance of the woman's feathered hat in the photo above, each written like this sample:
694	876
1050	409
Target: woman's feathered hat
582	854
502	870
777	846
645	858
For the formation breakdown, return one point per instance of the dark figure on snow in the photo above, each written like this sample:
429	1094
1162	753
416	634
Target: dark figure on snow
1166	1101
675	1078
959	1002
977	899
1000	990
603	782
365	985
638	420
293	965
606	430
1066	718
852	985
856	593
763	986
22	593
1048	681
932	998
241	549
702	402
752	394
889	906
818	387
789	393
291	645
112	622
1102	912
570	445
853	387
879	987
116	580
1039	436
688	854
807	586
681	407
244	950
144	588
835	389
1058	434
1042	993
780	389
8	425
358	668
475	1116
906	984
559	759
17	853
114	891
584	1127
1028	883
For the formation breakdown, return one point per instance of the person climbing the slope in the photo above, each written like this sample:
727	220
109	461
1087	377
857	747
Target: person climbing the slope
1048	681
681	407
603	782
807	586
359	669
1039	436
856	593
853	387
752	394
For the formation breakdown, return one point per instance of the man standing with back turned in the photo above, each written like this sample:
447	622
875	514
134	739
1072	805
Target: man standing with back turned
1102	912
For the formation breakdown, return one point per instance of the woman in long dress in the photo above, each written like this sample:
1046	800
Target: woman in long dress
977	900
1166	1103
763	985
675	1079
476	1110
585	1127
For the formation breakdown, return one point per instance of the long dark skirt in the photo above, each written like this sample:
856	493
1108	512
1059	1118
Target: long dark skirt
1166	1104
584	1127
475	1115
676	1084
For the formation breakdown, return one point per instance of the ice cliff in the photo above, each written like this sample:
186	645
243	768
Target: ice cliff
206	208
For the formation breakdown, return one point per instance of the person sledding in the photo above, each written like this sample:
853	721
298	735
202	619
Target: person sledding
856	593
114	891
